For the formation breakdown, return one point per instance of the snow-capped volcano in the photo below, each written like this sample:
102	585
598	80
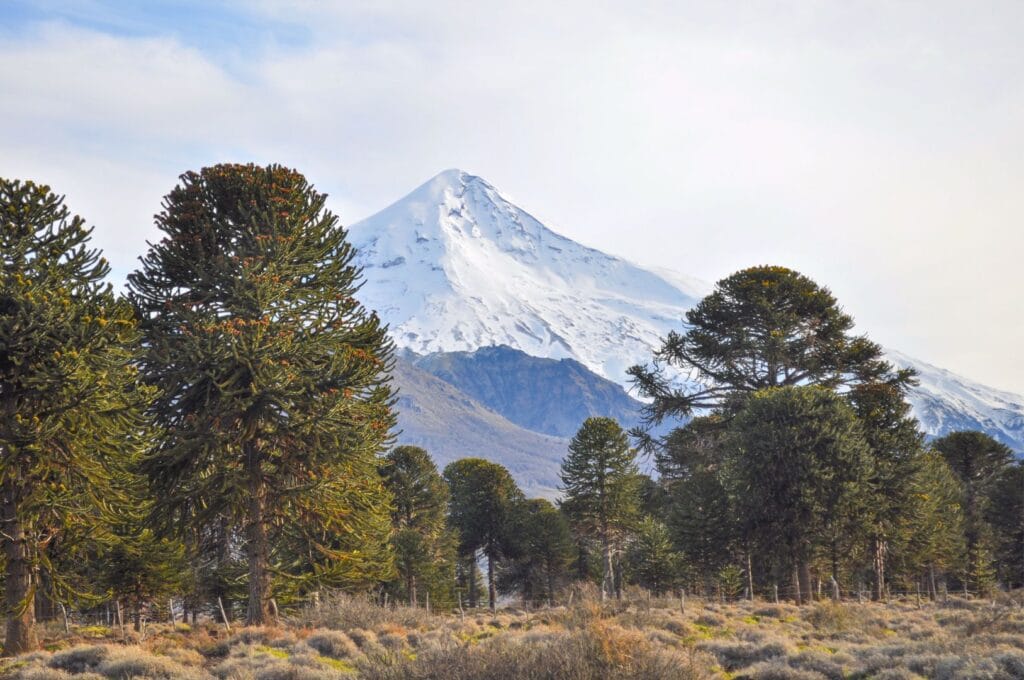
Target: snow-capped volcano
455	266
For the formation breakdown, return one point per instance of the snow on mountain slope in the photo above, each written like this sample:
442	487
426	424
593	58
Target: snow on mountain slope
945	402
455	266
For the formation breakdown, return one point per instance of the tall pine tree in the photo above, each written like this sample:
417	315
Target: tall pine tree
274	379
424	546
602	490
71	412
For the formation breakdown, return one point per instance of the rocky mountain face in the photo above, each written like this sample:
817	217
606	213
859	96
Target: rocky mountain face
450	424
552	396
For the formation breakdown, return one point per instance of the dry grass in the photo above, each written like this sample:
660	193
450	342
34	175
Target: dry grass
638	638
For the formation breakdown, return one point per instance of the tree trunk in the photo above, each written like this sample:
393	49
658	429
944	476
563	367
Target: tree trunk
750	577
806	589
879	569
410	585
796	583
492	593
258	547
471	575
18	597
608	577
617	578
138	618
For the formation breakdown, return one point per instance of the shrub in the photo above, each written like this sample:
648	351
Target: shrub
734	655
341	611
777	669
834	617
34	672
134	662
80	659
601	651
333	643
829	665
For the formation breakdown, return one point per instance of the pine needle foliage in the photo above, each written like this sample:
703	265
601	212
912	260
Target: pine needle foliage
274	393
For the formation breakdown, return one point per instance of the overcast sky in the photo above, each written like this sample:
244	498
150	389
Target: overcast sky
876	146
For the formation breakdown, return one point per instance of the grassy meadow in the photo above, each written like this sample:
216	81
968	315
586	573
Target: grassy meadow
638	637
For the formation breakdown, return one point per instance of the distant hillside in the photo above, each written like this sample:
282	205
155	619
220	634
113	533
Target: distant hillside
451	425
544	395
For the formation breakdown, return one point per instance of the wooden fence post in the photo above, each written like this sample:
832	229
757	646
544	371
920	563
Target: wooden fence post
67	625
223	614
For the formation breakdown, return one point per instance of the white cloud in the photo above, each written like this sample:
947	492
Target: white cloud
876	147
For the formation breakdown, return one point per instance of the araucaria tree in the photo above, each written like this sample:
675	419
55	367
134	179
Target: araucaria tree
802	468
761	327
274	396
71	413
542	550
424	546
602	490
978	461
483	498
769	327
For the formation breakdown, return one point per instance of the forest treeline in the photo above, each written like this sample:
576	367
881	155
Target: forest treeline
222	436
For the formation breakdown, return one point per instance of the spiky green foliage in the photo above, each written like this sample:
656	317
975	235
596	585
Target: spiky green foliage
601	488
139	569
542	551
652	560
930	537
703	521
896	444
978	460
1005	514
483	498
761	327
801	468
70	416
274	378
424	546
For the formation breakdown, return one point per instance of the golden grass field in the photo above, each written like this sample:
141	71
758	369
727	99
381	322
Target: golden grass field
635	638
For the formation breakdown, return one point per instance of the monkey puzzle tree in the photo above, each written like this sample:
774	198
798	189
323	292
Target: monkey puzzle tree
1005	514
602	489
766	327
423	543
761	327
653	560
896	444
931	530
542	549
977	460
801	471
483	498
71	412
274	379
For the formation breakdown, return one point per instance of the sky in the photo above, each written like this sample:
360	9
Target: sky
877	147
